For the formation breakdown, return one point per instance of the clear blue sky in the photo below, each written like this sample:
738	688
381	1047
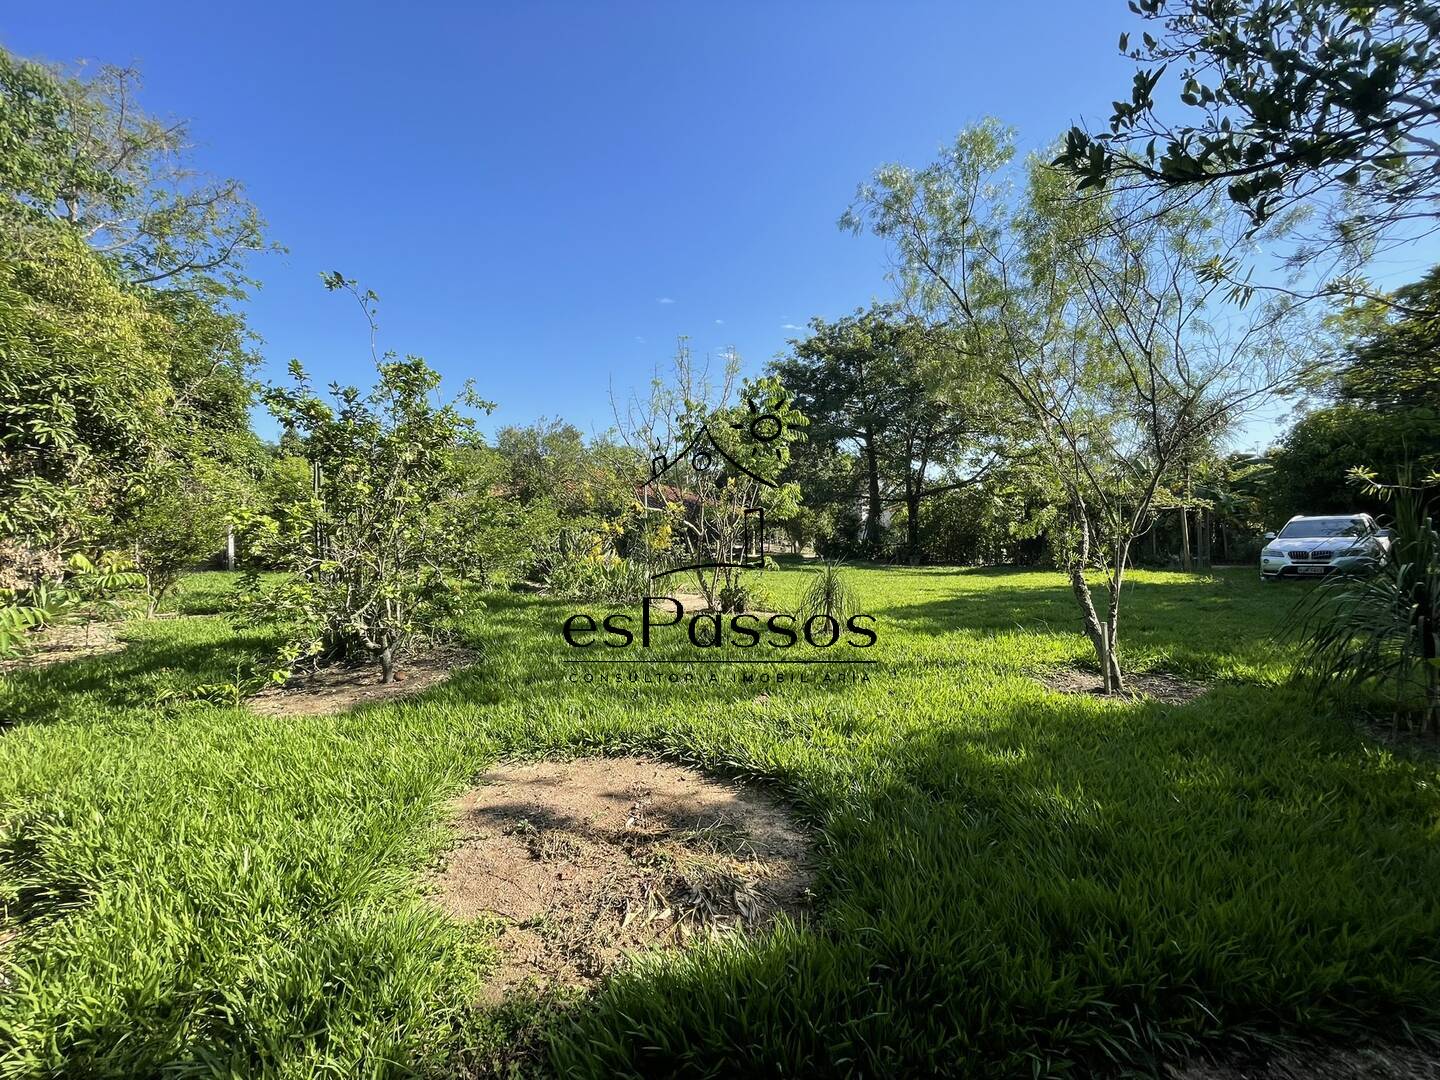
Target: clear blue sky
544	195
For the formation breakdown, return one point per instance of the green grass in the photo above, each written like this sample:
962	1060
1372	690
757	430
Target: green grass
1011	882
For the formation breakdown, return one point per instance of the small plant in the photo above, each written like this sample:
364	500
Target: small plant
1379	628
829	593
97	589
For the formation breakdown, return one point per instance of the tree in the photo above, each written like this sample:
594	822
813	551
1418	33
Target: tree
718	450
83	394
570	497
1391	345
127	378
1106	330
1379	409
373	575
82	151
1322	103
850	378
862	383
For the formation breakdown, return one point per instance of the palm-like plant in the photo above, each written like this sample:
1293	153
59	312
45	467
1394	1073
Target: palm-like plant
829	593
1380	628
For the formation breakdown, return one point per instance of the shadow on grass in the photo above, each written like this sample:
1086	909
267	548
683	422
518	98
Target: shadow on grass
156	658
1063	890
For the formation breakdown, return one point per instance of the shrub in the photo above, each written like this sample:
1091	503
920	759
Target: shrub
1379	628
88	589
371	577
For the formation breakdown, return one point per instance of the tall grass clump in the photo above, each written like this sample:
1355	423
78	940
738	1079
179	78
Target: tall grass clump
829	593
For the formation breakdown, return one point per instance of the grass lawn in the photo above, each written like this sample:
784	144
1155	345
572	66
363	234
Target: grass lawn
1011	881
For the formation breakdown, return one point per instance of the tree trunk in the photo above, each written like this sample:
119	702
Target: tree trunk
874	509
1185	563
912	527
1097	632
1115	682
1204	538
387	665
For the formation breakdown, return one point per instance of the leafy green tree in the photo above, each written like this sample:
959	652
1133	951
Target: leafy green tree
853	378
83	392
1325	103
862	382
1393	342
1106	329
83	151
1310	464
1380	409
127	378
373	577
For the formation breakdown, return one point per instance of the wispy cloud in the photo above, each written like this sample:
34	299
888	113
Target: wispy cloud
640	339
791	326
719	322
664	300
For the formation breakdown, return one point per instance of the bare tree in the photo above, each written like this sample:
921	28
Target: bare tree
717	448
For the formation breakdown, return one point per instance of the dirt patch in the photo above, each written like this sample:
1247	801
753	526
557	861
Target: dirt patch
1161	687
337	688
694	604
583	861
1324	1063
58	644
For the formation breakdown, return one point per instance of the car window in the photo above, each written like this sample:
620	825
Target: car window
1321	527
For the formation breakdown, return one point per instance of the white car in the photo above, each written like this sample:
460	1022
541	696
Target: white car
1314	546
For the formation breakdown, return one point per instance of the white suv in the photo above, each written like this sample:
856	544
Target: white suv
1313	546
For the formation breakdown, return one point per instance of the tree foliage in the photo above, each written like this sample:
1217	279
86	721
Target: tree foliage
83	151
1107	331
862	382
1324	104
372	576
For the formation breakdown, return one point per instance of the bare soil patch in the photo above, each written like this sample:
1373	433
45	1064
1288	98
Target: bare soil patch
583	861
58	644
1325	1063
694	603
1161	687
337	688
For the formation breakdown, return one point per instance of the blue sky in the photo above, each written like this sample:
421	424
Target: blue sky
546	194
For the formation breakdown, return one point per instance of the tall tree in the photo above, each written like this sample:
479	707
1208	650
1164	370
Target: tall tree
864	382
850	377
100	210
1379	411
1106	331
83	151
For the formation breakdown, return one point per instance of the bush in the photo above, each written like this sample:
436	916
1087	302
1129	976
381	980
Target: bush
1379	628
87	590
370	577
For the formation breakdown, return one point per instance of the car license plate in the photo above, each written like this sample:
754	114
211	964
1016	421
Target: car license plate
1311	569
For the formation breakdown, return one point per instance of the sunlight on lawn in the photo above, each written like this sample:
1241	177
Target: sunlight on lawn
1038	878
